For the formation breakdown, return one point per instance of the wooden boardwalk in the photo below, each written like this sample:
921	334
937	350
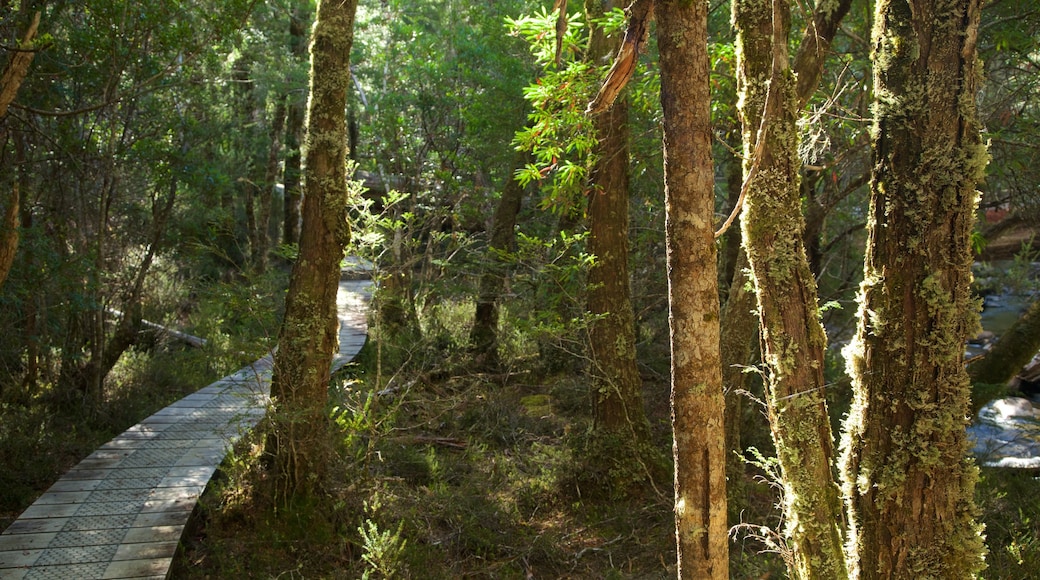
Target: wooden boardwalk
121	511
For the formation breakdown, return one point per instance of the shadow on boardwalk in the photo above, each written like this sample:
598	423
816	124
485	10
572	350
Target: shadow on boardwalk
120	512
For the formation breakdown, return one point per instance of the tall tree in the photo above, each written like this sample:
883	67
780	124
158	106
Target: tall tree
697	398
484	333
10	81
308	336
792	337
909	481
616	385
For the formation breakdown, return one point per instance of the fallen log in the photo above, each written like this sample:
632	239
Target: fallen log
184	337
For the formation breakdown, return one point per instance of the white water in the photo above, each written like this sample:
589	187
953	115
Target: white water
1006	432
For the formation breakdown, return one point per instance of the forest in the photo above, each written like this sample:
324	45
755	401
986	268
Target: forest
663	288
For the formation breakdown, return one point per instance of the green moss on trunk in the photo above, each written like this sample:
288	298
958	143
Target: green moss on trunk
792	336
308	336
908	479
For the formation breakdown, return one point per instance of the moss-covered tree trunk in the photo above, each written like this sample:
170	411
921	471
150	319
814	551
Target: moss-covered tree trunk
909	480
739	323
308	336
1012	351
616	386
697	400
792	336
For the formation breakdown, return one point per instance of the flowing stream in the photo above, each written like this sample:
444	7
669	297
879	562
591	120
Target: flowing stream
1006	431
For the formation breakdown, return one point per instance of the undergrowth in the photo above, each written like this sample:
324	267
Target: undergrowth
446	472
1009	500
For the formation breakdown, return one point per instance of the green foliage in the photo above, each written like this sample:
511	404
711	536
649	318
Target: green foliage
558	133
1010	505
382	550
439	93
1009	104
355	416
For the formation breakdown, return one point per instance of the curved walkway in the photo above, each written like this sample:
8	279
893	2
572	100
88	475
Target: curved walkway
121	511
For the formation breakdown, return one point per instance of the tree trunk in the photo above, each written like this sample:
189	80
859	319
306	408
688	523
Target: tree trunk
617	400
697	398
9	227
10	82
294	131
739	332
308	336
263	218
909	480
484	334
16	69
92	372
792	336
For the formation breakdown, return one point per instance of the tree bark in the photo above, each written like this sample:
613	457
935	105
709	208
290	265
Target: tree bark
308	336
617	400
739	333
792	336
18	67
484	334
9	229
263	218
698	407
909	481
294	131
10	82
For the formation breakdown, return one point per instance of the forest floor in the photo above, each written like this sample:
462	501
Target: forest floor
467	475
452	475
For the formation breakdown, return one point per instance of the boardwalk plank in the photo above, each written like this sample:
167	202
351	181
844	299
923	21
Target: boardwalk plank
121	511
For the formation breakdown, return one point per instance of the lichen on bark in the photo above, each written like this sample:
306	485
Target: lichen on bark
308	336
792	336
699	444
908	479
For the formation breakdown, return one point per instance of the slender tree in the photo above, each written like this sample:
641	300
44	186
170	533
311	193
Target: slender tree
308	336
909	481
697	398
616	385
772	97
484	334
10	81
262	238
792	337
294	130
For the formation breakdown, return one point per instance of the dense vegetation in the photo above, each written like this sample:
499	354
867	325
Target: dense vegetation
510	415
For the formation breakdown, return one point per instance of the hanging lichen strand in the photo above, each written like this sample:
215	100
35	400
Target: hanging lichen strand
908	480
793	338
308	336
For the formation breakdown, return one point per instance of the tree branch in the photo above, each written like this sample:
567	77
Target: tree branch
16	70
640	13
